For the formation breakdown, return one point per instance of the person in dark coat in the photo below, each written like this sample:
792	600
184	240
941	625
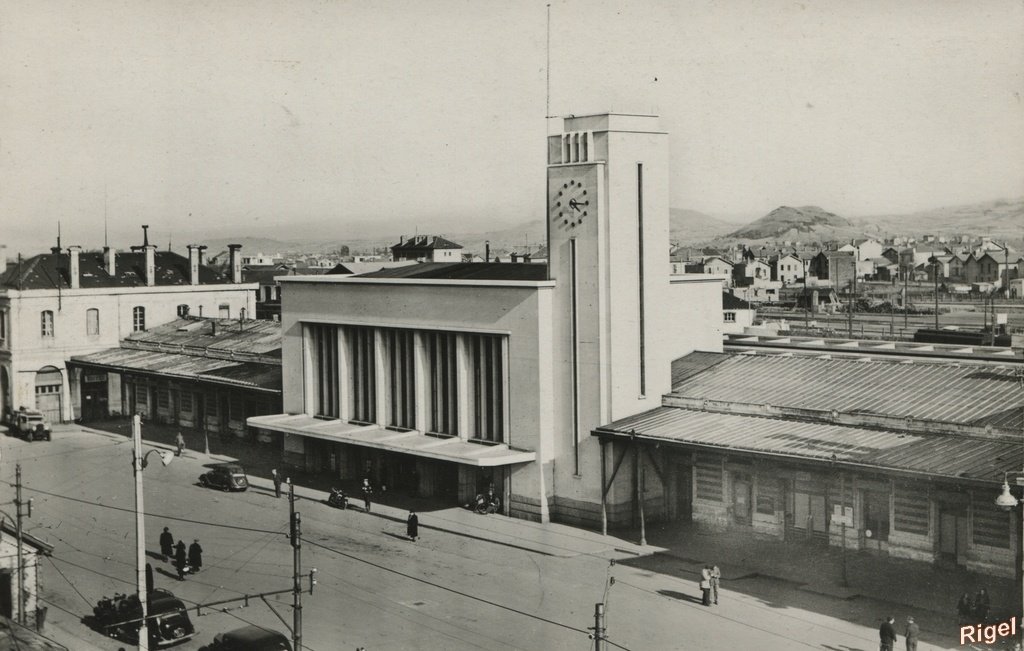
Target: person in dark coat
277	482
166	544
965	609
912	634
412	526
887	635
149	578
981	606
195	556
180	561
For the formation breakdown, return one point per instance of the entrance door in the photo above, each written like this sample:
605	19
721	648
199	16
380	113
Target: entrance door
684	493
49	387
741	496
952	534
809	513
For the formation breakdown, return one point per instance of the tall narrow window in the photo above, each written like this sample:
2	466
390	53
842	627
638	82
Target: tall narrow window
362	375
138	318
640	271
401	401
487	400
46	323
444	406
224	311
182	311
3	325
324	355
92	322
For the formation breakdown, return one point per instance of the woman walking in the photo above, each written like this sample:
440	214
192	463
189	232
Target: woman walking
180	560
412	526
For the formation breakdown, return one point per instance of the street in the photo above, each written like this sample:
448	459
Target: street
453	589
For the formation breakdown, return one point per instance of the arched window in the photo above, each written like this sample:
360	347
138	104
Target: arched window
138	319
92	322
46	323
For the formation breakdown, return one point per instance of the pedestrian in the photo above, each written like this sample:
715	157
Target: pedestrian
180	442
716	577
367	492
981	606
195	556
887	635
166	544
965	609
412	526
277	483
149	578
705	585
913	632
180	562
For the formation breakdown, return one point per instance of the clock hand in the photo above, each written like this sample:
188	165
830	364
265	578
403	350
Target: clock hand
575	205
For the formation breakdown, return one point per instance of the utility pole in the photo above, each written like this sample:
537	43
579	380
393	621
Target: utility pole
21	561
598	635
140	533
935	274
296	535
906	300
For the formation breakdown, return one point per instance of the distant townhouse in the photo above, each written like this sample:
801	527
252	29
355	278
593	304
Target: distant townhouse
426	248
835	268
737	314
787	268
69	302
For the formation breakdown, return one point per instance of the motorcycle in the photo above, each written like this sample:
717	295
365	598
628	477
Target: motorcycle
338	499
485	504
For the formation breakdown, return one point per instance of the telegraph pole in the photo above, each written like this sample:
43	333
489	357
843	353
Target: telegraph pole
21	562
599	635
296	535
906	299
140	533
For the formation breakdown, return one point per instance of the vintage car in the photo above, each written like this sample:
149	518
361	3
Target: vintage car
249	638
30	424
168	621
228	477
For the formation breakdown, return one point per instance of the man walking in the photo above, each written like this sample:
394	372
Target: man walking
716	576
913	632
195	556
705	585
412	526
180	442
166	544
367	492
887	635
180	562
277	482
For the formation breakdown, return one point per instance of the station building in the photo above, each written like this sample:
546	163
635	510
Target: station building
447	379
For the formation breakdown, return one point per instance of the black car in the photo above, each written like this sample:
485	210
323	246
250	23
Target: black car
168	621
227	477
249	638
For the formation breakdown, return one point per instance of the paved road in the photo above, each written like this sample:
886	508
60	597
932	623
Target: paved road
376	589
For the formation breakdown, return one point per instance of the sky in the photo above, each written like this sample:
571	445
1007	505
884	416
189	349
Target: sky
344	117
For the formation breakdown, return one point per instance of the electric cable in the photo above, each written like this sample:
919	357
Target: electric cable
73	586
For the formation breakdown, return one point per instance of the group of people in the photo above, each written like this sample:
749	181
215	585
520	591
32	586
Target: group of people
184	562
710	577
887	634
973	610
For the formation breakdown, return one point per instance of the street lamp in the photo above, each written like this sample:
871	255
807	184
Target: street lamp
139	463
1008	502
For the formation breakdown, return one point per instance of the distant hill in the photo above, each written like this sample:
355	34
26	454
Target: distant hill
806	222
692	226
1001	218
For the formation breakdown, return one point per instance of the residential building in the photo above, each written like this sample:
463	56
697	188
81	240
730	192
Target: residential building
835	268
426	248
32	549
448	379
787	268
719	266
737	314
68	302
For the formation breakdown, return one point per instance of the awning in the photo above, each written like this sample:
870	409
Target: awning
380	438
939	456
256	376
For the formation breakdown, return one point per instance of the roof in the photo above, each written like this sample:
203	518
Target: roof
465	271
359	268
733	302
253	375
42	547
956	457
425	242
203	336
694	363
52	271
860	348
968	394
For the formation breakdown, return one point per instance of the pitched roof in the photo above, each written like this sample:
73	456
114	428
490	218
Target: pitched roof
968	394
464	271
52	271
733	302
694	363
425	242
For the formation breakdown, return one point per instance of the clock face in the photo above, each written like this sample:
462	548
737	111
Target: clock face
570	204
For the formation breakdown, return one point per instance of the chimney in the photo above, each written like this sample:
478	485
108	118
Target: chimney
108	260
73	271
193	264
213	327
202	255
487	251
150	252
235	259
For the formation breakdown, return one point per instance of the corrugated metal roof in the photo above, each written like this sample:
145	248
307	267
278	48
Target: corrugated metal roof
221	371
694	363
970	394
226	335
939	456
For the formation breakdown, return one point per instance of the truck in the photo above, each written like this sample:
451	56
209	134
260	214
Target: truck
30	425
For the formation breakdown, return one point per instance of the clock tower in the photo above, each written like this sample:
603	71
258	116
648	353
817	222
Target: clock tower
608	234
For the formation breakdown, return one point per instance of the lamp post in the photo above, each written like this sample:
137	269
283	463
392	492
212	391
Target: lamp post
1008	502
138	465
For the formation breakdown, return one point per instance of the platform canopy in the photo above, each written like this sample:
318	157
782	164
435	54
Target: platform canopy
452	449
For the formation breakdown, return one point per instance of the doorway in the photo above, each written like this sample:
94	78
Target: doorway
684	493
809	514
742	486
953	533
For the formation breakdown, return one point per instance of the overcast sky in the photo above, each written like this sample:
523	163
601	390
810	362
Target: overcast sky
198	117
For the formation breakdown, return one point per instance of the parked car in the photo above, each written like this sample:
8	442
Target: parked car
227	477
31	425
168	619
249	638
